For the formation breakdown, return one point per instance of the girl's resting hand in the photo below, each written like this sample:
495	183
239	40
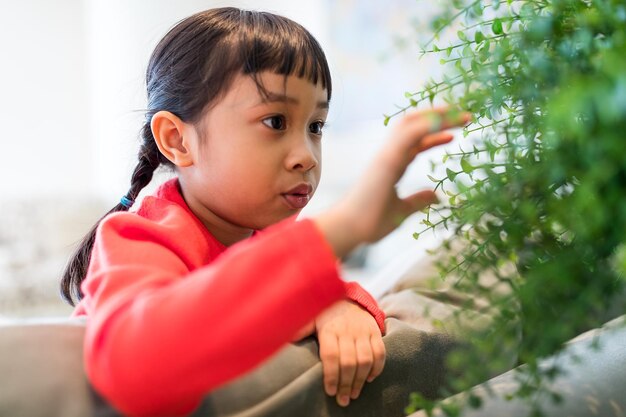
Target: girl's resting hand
351	349
372	209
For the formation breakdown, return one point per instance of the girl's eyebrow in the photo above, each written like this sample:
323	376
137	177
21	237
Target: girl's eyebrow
271	97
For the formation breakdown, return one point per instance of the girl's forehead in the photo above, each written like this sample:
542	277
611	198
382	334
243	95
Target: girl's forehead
271	87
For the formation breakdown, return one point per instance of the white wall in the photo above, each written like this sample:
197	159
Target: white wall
44	136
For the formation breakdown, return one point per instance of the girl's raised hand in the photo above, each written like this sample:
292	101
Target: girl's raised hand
372	209
351	349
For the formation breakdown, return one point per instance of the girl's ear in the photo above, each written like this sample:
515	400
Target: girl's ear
169	134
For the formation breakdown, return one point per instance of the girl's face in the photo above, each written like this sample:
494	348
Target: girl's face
256	161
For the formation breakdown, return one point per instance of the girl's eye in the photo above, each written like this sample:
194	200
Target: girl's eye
275	122
316	127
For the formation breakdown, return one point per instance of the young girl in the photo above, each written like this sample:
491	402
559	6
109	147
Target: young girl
212	274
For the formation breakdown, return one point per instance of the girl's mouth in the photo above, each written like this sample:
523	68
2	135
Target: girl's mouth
298	196
296	201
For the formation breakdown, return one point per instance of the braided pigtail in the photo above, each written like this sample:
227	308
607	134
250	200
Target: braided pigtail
149	160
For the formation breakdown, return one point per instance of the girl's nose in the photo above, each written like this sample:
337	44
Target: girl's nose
303	156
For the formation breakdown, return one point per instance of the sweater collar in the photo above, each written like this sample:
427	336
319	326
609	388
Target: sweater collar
170	191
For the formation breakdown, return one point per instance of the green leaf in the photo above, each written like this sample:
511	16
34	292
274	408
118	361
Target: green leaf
496	27
433	179
450	410
416	235
474	401
386	121
479	37
451	174
474	65
462	35
466	166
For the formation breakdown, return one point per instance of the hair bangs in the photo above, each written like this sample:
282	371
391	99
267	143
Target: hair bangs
277	44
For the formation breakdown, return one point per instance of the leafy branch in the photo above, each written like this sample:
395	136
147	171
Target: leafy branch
542	185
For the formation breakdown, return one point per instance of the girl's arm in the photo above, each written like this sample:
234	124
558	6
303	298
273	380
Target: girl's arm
160	338
372	209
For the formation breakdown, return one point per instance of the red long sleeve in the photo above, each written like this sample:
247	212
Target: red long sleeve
173	314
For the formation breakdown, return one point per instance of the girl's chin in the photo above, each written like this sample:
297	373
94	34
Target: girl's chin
277	218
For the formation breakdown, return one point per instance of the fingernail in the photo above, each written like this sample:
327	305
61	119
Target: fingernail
370	379
344	400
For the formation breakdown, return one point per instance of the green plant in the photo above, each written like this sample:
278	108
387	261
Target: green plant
540	180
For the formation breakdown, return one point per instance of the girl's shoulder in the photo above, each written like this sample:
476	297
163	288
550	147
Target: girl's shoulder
165	219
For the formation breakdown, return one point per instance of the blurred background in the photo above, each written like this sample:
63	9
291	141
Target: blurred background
72	86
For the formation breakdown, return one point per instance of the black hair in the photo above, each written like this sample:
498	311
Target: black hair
189	70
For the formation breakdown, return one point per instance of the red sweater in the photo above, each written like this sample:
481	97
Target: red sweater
173	313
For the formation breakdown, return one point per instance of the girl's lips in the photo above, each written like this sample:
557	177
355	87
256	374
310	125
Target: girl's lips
296	201
298	196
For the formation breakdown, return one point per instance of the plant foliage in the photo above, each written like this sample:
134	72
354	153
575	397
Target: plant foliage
540	180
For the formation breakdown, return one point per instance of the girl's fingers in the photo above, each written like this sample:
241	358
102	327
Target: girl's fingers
365	361
329	354
347	369
416	133
379	353
416	129
434	139
429	141
439	118
418	201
